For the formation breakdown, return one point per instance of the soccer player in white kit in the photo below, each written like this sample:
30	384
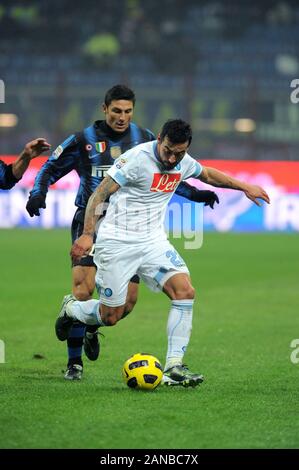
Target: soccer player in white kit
132	239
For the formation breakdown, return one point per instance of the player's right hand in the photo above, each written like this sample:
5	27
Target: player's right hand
35	203
81	247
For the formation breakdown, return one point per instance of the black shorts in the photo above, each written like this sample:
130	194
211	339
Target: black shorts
77	230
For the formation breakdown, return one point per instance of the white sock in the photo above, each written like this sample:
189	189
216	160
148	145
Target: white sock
179	328
87	311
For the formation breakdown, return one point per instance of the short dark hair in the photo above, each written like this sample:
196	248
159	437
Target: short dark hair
119	92
177	131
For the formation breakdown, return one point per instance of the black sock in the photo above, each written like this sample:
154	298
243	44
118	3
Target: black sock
91	328
75	343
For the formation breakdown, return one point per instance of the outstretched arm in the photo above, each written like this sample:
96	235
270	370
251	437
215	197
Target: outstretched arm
93	211
32	150
221	180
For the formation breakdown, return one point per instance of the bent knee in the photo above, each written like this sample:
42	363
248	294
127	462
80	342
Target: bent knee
186	293
82	291
130	304
110	320
132	296
111	317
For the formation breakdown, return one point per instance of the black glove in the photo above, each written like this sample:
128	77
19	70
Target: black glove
35	203
208	197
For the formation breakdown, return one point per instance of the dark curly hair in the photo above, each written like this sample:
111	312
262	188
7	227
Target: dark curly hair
177	131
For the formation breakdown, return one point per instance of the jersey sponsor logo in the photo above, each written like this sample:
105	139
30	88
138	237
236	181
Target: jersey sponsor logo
115	151
165	183
101	146
99	171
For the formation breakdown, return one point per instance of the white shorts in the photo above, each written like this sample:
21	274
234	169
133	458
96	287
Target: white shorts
118	262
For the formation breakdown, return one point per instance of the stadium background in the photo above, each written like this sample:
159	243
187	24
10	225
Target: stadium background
227	67
231	79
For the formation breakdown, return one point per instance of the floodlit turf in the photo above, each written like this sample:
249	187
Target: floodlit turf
245	317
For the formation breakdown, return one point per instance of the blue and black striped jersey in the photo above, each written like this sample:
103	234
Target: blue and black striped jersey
91	153
7	179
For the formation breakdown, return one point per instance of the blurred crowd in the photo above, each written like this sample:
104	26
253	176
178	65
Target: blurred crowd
205	60
166	36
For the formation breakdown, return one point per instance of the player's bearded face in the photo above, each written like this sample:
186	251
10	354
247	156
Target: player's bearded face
119	114
171	154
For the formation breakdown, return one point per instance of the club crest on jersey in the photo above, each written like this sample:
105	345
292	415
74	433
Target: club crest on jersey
115	151
165	183
101	146
108	292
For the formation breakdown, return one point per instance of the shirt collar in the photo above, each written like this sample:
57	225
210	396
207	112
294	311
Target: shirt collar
155	148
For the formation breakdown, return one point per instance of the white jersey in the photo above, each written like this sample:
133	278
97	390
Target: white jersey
136	211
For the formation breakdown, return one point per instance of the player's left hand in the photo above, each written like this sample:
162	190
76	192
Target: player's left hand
208	197
81	247
34	148
253	192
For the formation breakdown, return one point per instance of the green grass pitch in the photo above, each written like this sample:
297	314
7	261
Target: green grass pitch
245	317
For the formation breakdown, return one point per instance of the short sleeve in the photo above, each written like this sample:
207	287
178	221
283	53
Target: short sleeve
191	167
